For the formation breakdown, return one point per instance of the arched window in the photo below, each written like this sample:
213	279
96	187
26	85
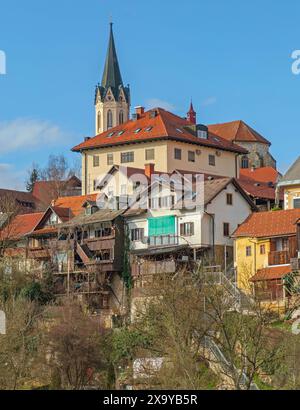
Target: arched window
109	119
121	117
99	121
245	162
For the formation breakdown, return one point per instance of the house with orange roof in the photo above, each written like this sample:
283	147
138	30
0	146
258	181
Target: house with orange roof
242	134
265	244
261	185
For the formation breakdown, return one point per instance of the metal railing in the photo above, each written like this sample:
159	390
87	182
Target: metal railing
162	240
221	359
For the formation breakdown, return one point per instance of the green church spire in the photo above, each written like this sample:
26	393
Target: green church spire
112	75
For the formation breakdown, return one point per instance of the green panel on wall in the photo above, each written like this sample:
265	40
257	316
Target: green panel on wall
164	225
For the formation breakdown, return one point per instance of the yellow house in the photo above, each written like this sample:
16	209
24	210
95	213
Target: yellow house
290	183
264	246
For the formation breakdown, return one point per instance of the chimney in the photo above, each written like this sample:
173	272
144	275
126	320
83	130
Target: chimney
140	111
149	170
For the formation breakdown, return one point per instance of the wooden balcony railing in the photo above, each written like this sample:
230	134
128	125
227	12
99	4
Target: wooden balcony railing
279	257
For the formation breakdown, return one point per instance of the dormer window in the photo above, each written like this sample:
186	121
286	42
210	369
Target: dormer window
138	130
202	134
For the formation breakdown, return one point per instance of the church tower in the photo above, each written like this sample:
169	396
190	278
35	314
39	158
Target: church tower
112	99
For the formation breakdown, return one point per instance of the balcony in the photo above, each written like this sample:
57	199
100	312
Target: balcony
163	240
39	253
279	258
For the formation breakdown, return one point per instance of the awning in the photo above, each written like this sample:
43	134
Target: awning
159	251
271	273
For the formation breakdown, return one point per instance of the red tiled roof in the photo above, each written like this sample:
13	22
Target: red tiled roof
271	273
21	225
237	131
44	231
268	224
46	191
263	174
258	189
74	203
164	125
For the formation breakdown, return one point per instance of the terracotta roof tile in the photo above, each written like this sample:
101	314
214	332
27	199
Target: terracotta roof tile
74	203
258	189
237	131
268	224
271	273
263	174
21	225
164	125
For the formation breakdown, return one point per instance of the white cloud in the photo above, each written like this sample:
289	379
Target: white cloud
10	178
156	102
29	134
209	101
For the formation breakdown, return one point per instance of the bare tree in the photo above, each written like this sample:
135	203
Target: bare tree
58	172
73	344
20	344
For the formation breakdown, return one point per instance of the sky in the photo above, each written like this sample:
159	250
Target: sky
232	57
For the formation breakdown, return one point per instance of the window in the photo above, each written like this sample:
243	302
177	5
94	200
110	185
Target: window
123	189
95	184
150	154
110	159
137	234
229	199
148	129
121	117
96	161
262	249
99	121
202	134
109	119
105	229
245	162
191	156
127	157
187	229
212	160
226	229
136	185
138	130
177	153
248	251
296	203
121	133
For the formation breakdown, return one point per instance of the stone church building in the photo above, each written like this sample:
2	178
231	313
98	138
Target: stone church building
242	134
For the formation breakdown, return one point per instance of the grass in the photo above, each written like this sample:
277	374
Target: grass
282	325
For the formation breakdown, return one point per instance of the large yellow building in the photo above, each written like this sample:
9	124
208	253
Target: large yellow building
159	137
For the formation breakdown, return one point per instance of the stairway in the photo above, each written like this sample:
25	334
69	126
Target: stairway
84	253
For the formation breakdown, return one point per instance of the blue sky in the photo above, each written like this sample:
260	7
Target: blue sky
233	57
